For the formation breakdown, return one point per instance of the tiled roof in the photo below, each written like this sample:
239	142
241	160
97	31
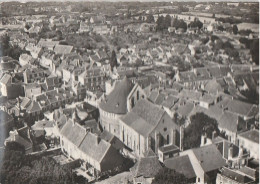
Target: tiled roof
33	107
6	79
147	166
5	117
116	101
209	157
63	49
229	121
169	102
73	132
252	135
235	176
94	146
150	112
182	165
239	107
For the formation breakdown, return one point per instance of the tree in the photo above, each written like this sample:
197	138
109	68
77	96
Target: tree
167	21
59	35
113	60
196	23
160	23
168	176
235	29
254	50
200	123
150	18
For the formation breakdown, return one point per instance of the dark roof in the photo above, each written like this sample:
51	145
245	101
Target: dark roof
209	157
182	165
147	166
5	117
235	176
252	135
168	148
229	121
116	101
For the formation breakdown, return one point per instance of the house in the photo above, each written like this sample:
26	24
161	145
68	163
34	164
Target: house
146	168
147	126
21	137
26	59
63	49
182	164
250	141
97	19
31	75
119	101
6	124
49	128
227	175
101	29
200	165
93	78
231	124
9	89
79	143
47	43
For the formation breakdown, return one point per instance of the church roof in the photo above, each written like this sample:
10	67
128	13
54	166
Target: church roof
116	101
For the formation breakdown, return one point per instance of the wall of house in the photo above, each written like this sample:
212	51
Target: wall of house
136	94
66	75
111	160
250	146
166	128
196	166
110	122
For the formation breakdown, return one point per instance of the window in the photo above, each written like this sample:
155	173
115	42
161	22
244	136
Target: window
198	179
168	139
165	129
137	95
132	102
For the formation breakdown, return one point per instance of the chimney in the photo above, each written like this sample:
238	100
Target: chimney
214	134
240	153
181	137
230	152
98	139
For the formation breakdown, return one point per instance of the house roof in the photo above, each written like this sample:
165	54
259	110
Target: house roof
116	101
73	132
144	117
235	176
33	107
6	79
40	125
5	117
228	121
169	101
147	166
240	107
47	43
252	135
209	157
63	49
182	165
95	147
212	86
148	111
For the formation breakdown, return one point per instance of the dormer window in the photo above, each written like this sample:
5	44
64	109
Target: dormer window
117	104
